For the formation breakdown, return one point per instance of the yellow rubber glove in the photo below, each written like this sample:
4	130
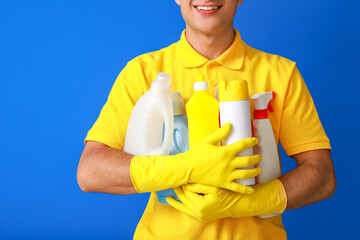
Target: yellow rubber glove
219	203
206	163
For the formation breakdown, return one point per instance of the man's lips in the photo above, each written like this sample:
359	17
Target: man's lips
207	10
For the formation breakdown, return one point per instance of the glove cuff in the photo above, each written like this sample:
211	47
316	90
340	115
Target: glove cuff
155	173
268	198
282	197
134	180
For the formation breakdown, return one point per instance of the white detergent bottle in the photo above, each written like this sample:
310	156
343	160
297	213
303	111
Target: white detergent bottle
267	147
235	109
180	142
152	113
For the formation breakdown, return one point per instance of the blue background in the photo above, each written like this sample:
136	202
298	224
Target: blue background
59	59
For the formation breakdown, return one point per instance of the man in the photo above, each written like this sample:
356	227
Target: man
211	47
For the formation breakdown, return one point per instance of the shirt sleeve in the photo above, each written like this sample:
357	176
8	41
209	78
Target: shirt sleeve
110	127
300	127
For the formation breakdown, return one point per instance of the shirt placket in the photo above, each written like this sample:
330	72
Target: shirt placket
211	76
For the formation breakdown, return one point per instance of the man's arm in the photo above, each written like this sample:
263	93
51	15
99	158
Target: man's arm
104	169
311	181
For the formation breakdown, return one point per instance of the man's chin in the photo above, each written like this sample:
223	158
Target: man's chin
207	29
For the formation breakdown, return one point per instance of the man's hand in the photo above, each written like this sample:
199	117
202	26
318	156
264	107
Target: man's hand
215	203
206	163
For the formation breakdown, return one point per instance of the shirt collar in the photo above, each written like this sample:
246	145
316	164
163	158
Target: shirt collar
232	58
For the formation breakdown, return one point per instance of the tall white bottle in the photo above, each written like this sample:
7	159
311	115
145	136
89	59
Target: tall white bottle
267	147
235	109
152	113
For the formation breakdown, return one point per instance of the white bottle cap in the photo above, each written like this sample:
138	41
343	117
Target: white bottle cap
162	82
261	100
201	86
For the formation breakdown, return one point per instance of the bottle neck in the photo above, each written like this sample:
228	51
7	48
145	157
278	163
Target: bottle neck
161	90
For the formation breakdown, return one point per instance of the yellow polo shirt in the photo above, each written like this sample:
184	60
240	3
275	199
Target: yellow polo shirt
295	123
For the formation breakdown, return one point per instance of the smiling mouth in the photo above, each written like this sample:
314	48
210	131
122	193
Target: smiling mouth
207	8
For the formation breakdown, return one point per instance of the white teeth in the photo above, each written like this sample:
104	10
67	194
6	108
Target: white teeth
206	8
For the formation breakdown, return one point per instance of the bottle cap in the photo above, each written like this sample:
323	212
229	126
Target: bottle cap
200	84
233	91
263	100
162	82
178	104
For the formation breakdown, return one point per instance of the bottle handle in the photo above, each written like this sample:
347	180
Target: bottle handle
183	131
176	144
168	131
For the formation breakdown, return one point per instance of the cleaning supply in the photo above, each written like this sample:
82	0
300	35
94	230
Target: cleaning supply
235	109
205	163
267	147
180	141
216	203
203	112
153	111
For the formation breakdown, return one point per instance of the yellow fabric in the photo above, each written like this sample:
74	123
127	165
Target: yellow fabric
205	163
295	123
215	203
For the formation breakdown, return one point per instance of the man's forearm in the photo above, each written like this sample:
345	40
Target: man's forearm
311	181
104	169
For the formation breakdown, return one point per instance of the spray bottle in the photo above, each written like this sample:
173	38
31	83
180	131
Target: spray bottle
152	112
267	147
235	109
180	141
203	112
